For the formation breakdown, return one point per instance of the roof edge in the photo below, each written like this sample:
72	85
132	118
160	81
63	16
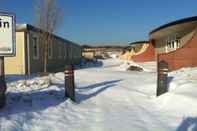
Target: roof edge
28	27
180	21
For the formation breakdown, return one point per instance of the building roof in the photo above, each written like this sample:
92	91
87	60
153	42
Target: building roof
174	27
185	20
28	27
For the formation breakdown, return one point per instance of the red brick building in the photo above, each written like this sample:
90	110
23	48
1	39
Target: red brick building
139	51
145	51
176	43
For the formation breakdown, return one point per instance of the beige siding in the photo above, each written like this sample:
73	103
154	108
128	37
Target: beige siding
184	35
16	64
187	37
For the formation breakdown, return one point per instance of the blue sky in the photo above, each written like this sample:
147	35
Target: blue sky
108	21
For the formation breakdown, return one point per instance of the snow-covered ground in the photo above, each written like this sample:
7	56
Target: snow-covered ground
109	98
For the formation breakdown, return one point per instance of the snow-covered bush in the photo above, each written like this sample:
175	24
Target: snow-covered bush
44	81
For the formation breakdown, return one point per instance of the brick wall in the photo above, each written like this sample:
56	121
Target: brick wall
148	55
185	56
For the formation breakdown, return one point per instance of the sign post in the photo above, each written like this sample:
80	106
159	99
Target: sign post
69	83
162	78
7	48
2	83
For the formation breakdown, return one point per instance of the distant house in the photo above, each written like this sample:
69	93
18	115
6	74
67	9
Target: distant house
29	52
176	43
139	51
104	51
88	54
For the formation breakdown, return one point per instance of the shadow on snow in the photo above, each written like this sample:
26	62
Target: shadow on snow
24	102
81	92
188	124
169	80
37	100
95	90
12	78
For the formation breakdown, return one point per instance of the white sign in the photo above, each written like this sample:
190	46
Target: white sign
7	34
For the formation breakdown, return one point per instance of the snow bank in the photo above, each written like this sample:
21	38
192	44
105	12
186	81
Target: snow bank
181	99
181	77
26	84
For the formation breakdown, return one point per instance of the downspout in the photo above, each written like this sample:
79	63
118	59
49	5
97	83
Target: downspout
28	54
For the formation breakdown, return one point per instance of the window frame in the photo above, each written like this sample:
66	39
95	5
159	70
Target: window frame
59	52
172	43
65	52
35	43
50	49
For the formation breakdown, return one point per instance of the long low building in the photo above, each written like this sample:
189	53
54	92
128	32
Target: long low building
29	52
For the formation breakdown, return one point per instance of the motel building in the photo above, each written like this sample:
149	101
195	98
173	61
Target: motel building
176	43
139	51
29	52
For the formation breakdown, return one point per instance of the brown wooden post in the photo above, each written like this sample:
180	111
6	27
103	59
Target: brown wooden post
162	78
2	83
73	84
69	83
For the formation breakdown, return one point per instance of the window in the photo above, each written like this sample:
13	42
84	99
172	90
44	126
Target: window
35	48
172	43
50	50
177	43
65	52
60	52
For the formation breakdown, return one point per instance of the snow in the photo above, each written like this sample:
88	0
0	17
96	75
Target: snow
109	98
114	56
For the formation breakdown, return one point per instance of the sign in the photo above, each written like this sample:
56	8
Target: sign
7	34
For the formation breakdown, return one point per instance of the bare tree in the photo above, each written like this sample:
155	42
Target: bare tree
48	17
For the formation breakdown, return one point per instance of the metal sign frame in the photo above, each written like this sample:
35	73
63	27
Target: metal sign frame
13	26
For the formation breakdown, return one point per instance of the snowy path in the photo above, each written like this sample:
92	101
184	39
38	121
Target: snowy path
108	99
122	106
